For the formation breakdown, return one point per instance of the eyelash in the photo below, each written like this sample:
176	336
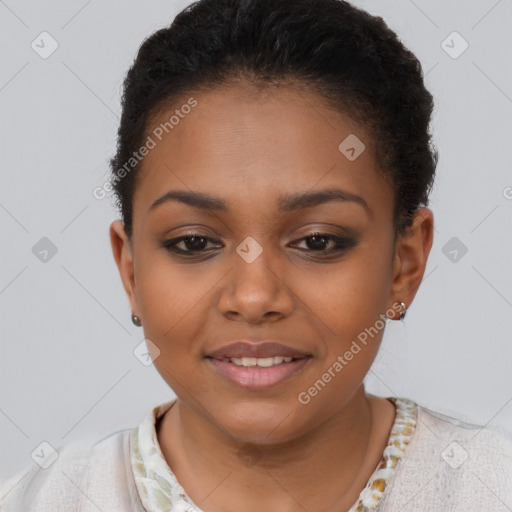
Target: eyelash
341	244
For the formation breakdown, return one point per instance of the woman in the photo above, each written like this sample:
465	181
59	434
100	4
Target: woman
273	169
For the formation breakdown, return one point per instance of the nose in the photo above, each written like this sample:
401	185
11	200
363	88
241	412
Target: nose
256	290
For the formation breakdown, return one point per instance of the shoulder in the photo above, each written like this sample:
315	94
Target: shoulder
83	470
485	447
38	483
453	463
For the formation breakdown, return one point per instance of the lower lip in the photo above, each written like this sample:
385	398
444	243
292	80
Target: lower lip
258	377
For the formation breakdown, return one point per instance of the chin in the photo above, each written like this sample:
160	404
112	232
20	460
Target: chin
258	425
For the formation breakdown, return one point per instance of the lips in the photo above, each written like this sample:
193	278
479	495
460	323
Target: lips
258	378
258	350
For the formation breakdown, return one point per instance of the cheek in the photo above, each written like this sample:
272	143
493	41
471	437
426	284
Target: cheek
166	290
346	308
346	298
172	301
347	305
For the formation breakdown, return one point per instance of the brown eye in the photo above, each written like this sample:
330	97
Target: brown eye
190	243
319	242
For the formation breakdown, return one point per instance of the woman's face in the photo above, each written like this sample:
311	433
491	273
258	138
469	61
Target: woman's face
255	270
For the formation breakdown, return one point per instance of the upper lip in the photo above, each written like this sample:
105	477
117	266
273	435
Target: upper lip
240	349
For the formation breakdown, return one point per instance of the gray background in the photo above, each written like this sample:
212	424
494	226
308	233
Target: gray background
67	366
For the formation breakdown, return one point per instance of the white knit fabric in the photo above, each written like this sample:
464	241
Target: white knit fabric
448	466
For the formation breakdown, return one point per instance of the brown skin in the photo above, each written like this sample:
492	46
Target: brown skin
248	147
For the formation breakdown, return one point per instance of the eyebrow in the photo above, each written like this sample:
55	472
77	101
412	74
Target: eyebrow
286	203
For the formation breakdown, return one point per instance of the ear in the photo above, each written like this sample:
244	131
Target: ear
411	254
122	250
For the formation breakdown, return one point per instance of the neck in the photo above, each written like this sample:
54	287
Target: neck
219	472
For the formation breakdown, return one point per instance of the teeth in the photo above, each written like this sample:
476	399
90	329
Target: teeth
260	361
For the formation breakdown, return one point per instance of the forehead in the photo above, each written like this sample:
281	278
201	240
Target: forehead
240	142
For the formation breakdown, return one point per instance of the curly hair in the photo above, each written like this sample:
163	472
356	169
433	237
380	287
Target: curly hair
349	57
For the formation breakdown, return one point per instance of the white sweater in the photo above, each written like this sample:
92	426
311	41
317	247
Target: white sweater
446	466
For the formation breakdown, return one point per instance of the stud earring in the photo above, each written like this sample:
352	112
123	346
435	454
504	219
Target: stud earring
403	312
136	320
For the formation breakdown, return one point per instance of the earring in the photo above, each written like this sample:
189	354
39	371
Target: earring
136	320
403	312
